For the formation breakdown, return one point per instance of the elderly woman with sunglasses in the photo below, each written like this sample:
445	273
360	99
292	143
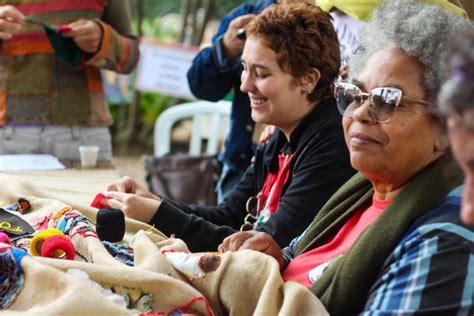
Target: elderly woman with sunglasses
290	63
390	240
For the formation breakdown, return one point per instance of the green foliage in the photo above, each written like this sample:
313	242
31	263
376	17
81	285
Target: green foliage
151	105
156	8
158	23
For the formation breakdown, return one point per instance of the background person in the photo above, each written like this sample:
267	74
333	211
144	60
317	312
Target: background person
47	105
385	243
456	102
290	61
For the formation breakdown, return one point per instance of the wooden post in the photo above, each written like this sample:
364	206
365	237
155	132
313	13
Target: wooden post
124	137
185	8
198	32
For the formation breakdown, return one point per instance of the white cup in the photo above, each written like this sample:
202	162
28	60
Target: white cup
89	155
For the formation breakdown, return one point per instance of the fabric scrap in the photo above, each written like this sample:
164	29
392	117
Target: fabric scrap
12	224
64	47
11	275
122	253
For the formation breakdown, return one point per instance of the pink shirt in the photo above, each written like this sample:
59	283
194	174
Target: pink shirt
308	267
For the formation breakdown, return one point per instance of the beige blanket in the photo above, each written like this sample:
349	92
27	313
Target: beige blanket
240	283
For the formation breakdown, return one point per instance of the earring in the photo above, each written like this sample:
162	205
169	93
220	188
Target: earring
441	144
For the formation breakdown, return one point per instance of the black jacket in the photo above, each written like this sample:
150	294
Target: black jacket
320	165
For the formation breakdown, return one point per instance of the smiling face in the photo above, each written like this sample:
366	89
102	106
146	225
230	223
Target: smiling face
461	138
389	154
276	97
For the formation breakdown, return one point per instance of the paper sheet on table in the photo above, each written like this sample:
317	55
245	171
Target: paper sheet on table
29	162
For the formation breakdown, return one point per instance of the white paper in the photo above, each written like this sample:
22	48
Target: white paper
29	162
163	67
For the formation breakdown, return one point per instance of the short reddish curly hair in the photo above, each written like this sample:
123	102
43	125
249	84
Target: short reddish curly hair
303	37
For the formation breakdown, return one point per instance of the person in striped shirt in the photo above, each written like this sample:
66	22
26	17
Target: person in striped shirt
52	100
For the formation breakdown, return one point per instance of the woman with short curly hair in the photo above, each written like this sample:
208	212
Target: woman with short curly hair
290	60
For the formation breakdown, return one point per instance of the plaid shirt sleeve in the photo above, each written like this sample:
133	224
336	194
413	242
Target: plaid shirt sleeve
431	272
289	251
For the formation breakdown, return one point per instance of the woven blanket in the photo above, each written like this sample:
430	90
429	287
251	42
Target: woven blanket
155	276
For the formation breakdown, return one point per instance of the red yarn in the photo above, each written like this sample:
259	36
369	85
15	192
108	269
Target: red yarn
84	233
58	242
167	250
182	309
4	238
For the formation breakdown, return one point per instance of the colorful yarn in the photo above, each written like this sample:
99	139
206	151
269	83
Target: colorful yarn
39	239
5	239
122	253
11	275
84	233
72	222
58	246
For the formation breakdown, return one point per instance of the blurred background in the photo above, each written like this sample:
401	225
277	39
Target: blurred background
189	23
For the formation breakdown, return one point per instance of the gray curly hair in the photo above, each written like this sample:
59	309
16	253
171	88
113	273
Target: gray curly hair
457	94
420	30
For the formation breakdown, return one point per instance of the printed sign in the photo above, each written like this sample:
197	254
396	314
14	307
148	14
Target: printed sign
163	67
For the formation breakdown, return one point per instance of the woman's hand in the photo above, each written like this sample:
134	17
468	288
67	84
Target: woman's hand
11	20
254	240
133	205
233	45
87	34
129	185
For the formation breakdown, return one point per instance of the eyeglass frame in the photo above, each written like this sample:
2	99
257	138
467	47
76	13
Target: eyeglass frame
366	96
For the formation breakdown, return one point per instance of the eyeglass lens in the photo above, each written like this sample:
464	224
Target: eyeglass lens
383	101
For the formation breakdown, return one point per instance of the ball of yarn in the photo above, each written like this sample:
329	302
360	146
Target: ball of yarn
110	224
58	246
40	238
5	239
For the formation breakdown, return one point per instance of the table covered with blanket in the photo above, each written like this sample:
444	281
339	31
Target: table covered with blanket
144	274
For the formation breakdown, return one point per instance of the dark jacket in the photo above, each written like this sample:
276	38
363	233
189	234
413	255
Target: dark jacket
212	76
320	165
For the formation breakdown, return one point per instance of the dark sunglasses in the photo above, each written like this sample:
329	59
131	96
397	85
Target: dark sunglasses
253	209
383	101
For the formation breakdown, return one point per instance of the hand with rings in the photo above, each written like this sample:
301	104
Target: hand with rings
11	20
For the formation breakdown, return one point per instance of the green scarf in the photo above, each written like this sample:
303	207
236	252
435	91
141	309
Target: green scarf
362	9
64	47
344	287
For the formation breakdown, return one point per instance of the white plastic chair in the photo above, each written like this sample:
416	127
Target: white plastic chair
197	111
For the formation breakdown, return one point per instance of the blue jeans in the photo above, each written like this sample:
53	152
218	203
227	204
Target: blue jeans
228	180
